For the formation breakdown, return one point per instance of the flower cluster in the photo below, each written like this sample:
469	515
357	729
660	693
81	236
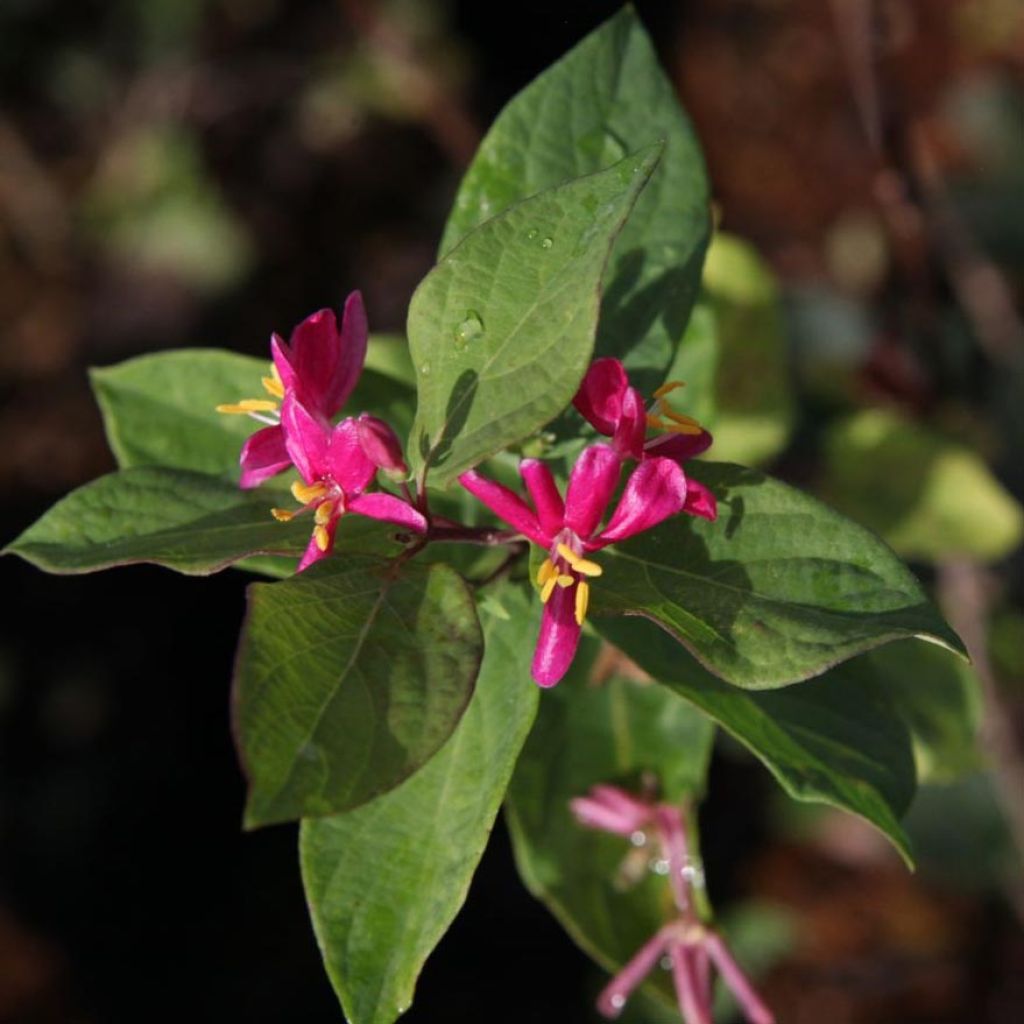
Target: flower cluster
569	530
692	947
311	378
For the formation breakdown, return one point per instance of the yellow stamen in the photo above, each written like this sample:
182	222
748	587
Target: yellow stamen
564	581
545	572
322	537
304	493
685	428
679	417
282	515
582	565
655	422
548	589
248	405
582	601
323	513
273	386
668	387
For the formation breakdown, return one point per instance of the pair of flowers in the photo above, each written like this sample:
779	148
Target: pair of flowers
314	374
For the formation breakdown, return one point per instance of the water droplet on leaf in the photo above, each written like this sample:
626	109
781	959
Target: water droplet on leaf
532	234
425	369
471	329
546	243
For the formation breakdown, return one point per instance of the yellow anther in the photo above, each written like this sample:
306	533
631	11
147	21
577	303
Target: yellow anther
565	581
655	422
545	572
582	601
323	513
305	493
548	589
273	386
282	515
680	417
248	405
668	387
322	537
582	565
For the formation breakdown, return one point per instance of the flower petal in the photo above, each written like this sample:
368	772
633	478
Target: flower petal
307	438
631	429
732	974
381	444
390	509
351	350
678	446
692	1006
613	998
347	462
506	505
544	493
611	810
599	399
591	485
313	553
263	455
655	490
559	635
699	500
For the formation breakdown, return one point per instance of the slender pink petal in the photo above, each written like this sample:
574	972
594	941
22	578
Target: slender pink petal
389	509
315	349
672	831
352	350
347	462
599	399
307	439
594	813
699	500
692	1007
628	439
750	1002
592	483
544	492
506	505
559	635
381	444
622	801
702	976
263	455
282	356
611	1001
313	553
655	490
678	446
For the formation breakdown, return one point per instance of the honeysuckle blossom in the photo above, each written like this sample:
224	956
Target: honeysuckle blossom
692	947
337	464
319	365
616	409
569	531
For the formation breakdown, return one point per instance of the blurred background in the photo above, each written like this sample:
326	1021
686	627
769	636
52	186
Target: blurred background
201	172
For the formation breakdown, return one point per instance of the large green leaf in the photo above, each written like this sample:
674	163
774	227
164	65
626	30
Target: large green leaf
191	522
502	329
159	409
602	100
384	881
929	497
597	885
836	740
349	678
777	590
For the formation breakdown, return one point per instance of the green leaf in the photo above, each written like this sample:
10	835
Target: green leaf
779	589
754	405
384	882
349	677
191	522
837	740
597	885
502	329
928	497
159	409
602	100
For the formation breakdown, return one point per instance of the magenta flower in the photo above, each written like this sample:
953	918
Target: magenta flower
692	947
337	464
569	530
320	366
614	408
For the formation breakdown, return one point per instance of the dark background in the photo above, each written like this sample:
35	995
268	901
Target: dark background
201	172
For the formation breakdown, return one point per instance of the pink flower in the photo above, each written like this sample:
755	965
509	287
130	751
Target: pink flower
320	366
614	408
337	464
569	530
